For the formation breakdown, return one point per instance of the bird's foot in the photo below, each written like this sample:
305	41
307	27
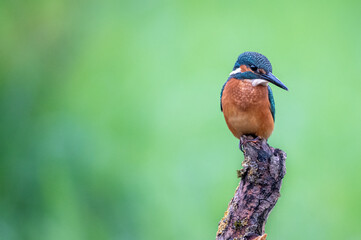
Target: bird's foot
243	140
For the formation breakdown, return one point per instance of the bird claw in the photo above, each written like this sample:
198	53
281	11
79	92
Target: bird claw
243	141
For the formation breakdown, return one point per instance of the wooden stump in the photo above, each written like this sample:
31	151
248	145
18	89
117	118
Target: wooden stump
257	193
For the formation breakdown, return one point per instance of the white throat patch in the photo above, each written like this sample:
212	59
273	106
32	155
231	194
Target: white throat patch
256	82
238	70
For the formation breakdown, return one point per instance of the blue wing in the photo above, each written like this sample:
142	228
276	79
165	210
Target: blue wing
222	94
272	102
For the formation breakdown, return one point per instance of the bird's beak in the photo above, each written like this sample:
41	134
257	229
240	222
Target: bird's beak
272	79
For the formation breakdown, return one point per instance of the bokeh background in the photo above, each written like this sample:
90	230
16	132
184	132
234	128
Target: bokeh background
111	127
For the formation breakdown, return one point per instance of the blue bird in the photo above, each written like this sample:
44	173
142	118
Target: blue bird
246	98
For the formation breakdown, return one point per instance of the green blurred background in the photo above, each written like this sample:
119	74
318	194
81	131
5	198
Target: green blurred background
111	127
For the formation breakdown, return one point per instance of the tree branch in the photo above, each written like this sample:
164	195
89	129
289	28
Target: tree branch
257	193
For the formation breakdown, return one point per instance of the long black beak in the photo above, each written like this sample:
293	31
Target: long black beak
272	79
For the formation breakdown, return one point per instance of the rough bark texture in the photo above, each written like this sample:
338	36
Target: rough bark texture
256	194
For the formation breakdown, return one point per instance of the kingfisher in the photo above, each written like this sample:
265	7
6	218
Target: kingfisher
246	98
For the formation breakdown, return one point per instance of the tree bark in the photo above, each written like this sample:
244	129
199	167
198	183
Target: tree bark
257	193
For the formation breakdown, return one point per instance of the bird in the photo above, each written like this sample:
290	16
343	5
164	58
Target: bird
246	98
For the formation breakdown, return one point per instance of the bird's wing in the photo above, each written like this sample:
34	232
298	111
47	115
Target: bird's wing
272	102
220	99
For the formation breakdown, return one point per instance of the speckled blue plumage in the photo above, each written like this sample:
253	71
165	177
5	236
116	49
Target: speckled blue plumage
253	58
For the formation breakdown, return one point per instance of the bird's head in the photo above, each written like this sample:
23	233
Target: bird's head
255	67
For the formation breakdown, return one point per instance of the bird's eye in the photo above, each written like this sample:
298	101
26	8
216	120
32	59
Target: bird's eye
253	68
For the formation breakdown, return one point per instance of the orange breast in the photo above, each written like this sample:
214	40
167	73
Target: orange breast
246	109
